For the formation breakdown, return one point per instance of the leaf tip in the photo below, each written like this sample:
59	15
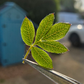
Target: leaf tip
53	13
25	16
70	24
67	49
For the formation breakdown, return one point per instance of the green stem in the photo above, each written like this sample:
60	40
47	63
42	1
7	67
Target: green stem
28	52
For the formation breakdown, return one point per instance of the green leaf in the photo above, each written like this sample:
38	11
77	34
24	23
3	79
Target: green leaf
42	58
44	26
27	31
57	31
52	46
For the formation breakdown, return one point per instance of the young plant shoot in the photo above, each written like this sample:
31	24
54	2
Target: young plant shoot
46	38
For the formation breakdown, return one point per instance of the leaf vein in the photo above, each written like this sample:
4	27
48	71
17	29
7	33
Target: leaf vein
54	33
44	28
28	32
41	56
53	46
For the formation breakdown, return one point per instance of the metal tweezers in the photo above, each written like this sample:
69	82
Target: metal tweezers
54	76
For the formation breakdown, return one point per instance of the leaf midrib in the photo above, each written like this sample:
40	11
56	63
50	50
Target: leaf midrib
28	30
44	28
53	33
41	56
53	46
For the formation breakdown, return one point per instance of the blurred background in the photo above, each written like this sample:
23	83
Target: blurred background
13	49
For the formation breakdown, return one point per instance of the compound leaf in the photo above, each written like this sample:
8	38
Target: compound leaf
52	46
57	31
44	26
42	58
27	31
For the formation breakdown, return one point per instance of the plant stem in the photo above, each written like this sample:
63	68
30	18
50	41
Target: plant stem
28	52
